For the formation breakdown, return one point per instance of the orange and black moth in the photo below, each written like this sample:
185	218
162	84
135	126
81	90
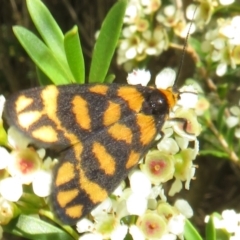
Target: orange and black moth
101	131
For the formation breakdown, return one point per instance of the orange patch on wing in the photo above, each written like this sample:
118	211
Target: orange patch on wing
49	97
132	96
105	160
80	110
65	174
65	197
77	150
46	134
75	211
100	89
112	113
95	193
133	159
22	102
121	132
147	128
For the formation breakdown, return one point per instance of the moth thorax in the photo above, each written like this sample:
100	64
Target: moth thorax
171	97
156	103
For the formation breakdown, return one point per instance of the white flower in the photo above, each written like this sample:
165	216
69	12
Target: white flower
4	158
221	69
176	224
84	225
6	212
91	236
226	2
189	177
139	76
2	102
169	236
232	121
136	204
102	209
168	145
16	139
170	16
131	13
42	183
140	184
11	188
165	78
156	41
188	97
150	6
182	142
184	208
175	188
24	164
119	232
136	233
230	220
136	201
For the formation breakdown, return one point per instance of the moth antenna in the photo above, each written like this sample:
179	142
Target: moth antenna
183	52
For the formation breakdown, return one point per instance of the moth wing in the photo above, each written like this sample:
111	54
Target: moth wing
100	128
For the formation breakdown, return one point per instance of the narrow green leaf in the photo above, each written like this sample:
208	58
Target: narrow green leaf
107	41
42	56
221	118
190	232
3	135
110	78
33	228
74	54
215	153
210	229
230	136
43	79
47	28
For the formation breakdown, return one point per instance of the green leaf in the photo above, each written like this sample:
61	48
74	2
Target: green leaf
210	229
230	137
106	42
34	228
43	79
223	90
220	118
197	46
74	54
215	153
42	56
3	135
190	232
47	28
110	78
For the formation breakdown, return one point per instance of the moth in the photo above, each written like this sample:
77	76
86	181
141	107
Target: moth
100	131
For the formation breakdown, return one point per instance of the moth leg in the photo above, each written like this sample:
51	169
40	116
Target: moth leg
185	123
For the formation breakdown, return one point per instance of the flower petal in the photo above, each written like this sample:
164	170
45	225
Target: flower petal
6	188
42	183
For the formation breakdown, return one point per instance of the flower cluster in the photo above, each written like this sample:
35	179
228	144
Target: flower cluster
233	120
228	222
141	208
222	42
145	33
